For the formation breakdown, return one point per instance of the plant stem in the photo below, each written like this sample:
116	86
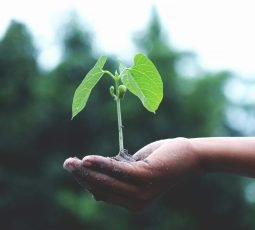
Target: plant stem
120	126
121	145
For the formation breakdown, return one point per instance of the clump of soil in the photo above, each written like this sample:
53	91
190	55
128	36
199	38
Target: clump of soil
124	156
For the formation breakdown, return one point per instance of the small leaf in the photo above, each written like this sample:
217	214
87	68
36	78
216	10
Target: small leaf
144	81
83	91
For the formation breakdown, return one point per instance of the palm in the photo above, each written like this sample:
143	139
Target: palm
134	185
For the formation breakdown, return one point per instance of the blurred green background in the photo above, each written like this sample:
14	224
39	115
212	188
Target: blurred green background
36	135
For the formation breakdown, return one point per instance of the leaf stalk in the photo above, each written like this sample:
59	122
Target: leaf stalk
110	74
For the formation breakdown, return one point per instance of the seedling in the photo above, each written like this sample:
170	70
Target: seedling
142	79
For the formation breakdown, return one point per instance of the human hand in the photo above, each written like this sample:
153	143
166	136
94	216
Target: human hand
158	167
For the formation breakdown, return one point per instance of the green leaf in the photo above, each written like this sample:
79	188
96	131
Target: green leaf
83	91
144	81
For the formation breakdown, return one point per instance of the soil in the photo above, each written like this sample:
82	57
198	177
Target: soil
124	156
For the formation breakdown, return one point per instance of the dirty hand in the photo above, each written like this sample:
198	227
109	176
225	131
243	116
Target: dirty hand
135	185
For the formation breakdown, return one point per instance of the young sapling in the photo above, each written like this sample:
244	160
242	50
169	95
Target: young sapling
142	79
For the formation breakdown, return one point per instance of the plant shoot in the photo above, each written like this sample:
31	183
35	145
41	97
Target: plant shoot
142	79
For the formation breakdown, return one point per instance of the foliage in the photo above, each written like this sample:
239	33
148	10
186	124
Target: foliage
36	136
144	81
83	91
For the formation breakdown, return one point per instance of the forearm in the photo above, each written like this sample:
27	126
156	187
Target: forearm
226	154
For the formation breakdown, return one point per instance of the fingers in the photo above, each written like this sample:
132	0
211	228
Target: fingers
131	172
108	188
74	166
71	164
102	182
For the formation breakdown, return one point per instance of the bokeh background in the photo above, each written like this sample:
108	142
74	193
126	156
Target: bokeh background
36	133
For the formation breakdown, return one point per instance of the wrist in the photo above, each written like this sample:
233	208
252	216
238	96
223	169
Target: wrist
190	156
197	149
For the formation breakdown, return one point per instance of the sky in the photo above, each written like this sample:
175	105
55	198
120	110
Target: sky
221	32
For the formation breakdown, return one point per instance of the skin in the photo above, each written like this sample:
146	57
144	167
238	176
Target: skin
159	166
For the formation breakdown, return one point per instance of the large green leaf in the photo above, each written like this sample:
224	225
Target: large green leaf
83	91
144	81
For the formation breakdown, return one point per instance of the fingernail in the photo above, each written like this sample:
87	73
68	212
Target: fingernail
69	166
87	163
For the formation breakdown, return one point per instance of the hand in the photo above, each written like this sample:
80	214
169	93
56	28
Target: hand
158	167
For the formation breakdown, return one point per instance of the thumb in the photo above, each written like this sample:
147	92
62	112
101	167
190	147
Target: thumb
147	150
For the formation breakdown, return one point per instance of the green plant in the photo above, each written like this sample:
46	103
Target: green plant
142	79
